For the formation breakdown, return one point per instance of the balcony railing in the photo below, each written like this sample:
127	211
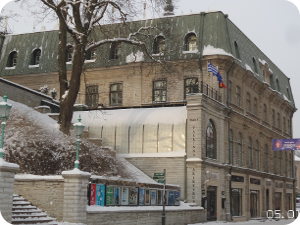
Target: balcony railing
209	91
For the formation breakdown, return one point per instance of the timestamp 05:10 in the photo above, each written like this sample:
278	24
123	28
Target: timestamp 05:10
278	215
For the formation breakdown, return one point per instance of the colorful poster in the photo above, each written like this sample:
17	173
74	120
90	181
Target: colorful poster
153	197
159	197
109	195
166	197
93	194
117	194
177	198
286	144
171	197
125	196
147	195
142	197
133	196
100	194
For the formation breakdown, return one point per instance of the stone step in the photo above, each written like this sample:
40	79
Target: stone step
23	207
31	220
20	212
32	215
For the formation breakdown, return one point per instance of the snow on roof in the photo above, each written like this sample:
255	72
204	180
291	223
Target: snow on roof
164	115
248	67
37	177
180	153
210	50
7	164
297	158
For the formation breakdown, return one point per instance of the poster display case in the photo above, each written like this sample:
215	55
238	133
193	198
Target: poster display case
177	198
125	196
109	195
100	194
117	195
171	198
93	194
166	197
147	197
141	196
159	197
153	197
133	196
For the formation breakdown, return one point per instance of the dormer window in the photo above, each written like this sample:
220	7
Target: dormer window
277	84
12	59
69	53
115	51
36	57
254	64
159	45
190	42
237	51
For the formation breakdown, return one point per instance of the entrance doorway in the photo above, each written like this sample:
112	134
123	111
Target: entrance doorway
211	203
254	203
277	201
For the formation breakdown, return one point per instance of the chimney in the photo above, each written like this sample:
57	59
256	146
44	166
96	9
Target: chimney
169	8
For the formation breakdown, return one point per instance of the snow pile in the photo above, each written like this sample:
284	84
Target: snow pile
248	67
34	142
210	50
137	57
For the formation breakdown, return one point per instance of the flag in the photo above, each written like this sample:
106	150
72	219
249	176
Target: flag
215	71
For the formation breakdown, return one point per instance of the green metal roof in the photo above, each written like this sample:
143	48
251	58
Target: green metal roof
213	29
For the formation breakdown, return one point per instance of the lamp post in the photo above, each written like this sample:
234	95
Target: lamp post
4	112
78	131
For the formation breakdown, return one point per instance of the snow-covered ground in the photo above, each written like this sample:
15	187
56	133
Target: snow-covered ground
256	222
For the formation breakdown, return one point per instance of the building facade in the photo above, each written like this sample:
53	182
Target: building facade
227	163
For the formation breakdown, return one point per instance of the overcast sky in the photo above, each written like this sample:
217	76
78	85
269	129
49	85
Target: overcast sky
273	25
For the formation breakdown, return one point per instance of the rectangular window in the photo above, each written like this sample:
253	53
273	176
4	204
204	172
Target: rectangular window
116	91
248	103
229	91
278	120
273	117
255	107
91	99
160	91
236	201
289	127
265	113
238	96
191	86
284	125
237	178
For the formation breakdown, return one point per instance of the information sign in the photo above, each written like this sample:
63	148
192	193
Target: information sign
133	196
125	196
142	197
158	178
177	198
93	194
161	181
147	197
153	197
158	174
117	194
100	194
171	197
286	144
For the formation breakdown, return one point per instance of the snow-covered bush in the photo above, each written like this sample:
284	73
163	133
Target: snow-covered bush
44	90
53	93
34	142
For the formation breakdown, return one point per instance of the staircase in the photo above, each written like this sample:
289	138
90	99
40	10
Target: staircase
24	212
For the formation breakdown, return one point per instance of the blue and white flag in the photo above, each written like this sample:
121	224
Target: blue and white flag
215	71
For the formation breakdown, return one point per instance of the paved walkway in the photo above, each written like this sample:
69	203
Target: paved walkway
255	222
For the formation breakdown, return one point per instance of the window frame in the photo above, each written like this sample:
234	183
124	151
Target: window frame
266	158
211	152
93	96
250	152
240	149
237	50
273	117
112	92
37	56
248	102
193	88
239	199
238	96
159	45
115	51
69	53
230	136
257	155
255	107
254	64
188	44
12	59
265	112
160	91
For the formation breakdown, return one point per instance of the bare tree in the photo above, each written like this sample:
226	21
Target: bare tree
78	19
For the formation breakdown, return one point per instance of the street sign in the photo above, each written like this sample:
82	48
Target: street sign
161	181
158	174
158	178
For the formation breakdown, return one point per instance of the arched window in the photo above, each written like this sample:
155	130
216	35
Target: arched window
257	155
36	56
254	64
211	150
250	152
248	102
190	42
237	51
69	53
255	107
115	51
275	162
230	147
288	93
12	59
238	96
265	112
286	164
159	45
266	158
240	148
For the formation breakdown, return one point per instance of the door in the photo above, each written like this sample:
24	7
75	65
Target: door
277	201
211	203
254	204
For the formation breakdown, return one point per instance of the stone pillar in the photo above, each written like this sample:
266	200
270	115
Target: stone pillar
75	195
7	179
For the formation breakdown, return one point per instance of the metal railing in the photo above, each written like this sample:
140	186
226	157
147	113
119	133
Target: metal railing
209	91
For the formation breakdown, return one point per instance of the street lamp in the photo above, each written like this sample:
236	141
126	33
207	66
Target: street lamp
78	131
4	112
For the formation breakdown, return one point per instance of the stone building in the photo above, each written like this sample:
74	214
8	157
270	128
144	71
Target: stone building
219	147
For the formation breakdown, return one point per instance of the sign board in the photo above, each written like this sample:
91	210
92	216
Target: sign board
141	196
109	195
161	181
133	196
125	196
158	178
117	194
159	174
286	144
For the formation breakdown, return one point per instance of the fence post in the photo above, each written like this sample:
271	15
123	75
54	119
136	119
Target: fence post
75	195
7	179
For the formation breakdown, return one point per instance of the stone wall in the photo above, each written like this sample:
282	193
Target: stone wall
47	194
175	171
145	217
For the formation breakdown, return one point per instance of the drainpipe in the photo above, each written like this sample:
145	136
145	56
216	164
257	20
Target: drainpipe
185	169
202	15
